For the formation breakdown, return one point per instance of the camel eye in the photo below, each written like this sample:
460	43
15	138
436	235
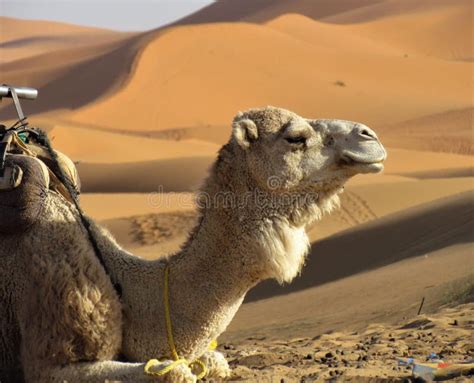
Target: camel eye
296	140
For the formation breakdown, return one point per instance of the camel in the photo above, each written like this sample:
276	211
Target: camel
61	319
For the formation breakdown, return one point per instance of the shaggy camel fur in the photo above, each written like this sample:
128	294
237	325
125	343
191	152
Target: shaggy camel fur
60	317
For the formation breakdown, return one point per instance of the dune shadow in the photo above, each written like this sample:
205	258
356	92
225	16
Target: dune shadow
167	175
78	85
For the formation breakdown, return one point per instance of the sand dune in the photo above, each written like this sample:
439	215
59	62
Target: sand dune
118	205
406	234
72	77
386	198
405	162
362	203
445	173
194	77
440	28
175	175
87	145
26	38
331	37
389	8
447	132
264	10
243	65
17	29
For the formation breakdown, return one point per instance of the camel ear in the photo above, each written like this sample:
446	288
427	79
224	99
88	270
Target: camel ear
244	132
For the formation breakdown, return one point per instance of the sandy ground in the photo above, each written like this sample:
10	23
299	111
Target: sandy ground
370	354
143	116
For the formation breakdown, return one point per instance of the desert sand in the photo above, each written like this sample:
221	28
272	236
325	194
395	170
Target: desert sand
143	115
23	38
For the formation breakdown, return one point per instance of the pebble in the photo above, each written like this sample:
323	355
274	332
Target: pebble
353	357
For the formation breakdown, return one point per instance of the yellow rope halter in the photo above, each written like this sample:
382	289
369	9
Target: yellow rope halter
169	332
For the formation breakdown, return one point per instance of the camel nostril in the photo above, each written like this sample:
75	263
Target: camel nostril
367	134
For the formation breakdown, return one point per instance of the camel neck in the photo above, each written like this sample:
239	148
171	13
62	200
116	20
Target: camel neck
208	281
214	255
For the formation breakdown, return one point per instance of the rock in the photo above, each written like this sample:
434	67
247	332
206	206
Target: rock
353	357
419	323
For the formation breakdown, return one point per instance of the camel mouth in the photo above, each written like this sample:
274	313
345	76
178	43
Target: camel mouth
362	164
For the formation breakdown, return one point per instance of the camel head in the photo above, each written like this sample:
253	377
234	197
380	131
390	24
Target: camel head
288	152
300	166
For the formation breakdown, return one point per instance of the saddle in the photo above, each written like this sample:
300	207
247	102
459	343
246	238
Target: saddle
29	168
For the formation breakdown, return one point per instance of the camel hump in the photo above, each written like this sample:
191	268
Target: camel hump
23	188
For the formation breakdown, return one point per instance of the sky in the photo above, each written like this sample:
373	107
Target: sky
124	15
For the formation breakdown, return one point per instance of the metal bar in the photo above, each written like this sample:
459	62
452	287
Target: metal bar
22	92
16	101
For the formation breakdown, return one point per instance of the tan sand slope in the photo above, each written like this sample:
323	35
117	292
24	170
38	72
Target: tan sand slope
405	162
331	37
362	203
251	65
440	28
387	198
71	77
389	8
88	145
263	10
25	38
175	175
12	29
416	231
118	205
447	173
441	132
